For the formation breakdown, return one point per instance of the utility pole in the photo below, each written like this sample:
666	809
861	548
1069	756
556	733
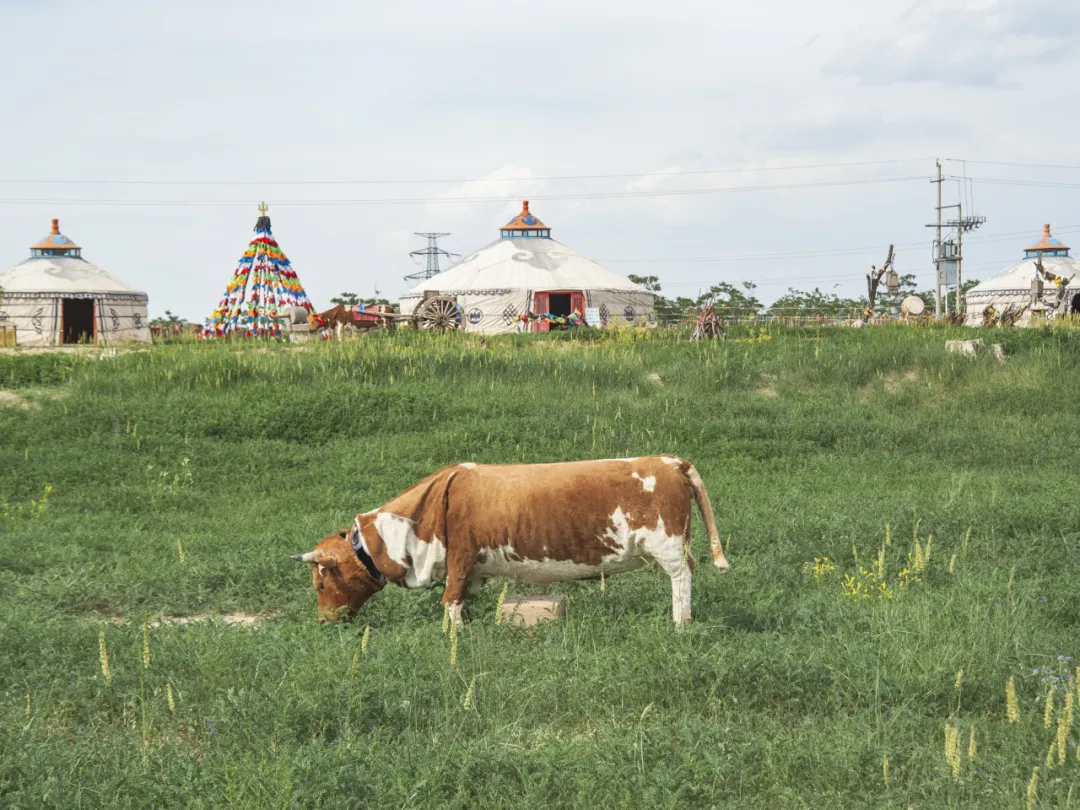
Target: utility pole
959	254
431	254
943	257
937	245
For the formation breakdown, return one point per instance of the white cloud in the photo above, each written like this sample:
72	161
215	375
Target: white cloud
968	43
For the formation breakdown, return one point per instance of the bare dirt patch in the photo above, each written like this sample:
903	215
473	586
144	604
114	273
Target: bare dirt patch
13	400
766	386
252	620
894	382
562	345
655	378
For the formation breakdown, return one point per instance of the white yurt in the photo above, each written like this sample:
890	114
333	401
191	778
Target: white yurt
1011	290
527	280
56	297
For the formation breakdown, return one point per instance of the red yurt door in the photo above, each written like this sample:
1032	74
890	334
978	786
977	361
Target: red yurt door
540	306
577	303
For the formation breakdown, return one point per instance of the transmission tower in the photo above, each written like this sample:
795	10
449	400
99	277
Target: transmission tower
431	256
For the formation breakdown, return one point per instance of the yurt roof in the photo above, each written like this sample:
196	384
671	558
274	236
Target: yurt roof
59	274
56	275
525	263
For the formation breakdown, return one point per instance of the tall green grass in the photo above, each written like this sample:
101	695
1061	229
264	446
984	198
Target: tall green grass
786	692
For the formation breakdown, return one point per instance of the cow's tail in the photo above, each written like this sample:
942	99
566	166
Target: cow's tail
705	507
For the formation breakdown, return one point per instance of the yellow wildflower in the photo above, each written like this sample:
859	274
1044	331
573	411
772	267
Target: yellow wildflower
501	602
952	747
103	654
1012	708
1062	739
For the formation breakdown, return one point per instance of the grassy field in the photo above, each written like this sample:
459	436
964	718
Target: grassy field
176	482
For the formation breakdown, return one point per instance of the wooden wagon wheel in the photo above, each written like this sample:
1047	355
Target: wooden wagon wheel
439	314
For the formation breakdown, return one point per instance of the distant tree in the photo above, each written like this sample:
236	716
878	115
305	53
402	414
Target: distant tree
347	299
728	299
651	283
168	320
731	301
796	303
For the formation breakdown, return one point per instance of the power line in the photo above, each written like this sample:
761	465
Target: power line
1001	181
452	200
727	170
814	254
1009	163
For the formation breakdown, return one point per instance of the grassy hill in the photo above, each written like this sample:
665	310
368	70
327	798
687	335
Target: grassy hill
177	481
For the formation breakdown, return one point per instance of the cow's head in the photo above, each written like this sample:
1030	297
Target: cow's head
341	581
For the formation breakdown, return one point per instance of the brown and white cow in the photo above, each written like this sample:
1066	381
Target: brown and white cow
540	523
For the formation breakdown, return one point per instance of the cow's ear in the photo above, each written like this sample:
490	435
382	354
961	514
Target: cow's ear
328	562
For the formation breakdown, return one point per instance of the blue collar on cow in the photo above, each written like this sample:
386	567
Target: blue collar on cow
358	547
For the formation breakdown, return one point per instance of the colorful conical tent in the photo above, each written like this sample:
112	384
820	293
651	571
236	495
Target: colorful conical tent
262	287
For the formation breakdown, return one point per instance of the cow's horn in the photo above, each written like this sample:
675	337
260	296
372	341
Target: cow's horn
310	557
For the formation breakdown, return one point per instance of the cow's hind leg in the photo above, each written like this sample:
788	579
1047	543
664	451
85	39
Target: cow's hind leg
673	555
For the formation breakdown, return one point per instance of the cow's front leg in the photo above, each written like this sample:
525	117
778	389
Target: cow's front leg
459	578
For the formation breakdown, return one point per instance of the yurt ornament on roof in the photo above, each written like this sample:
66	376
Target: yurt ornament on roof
264	287
525	280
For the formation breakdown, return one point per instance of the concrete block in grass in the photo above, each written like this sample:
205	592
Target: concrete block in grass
527	611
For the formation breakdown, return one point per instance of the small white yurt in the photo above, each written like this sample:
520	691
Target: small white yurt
1012	290
525	274
56	297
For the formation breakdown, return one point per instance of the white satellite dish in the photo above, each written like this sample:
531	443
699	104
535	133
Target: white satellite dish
912	305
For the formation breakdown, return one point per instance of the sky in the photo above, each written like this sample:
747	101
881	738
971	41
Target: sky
777	142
